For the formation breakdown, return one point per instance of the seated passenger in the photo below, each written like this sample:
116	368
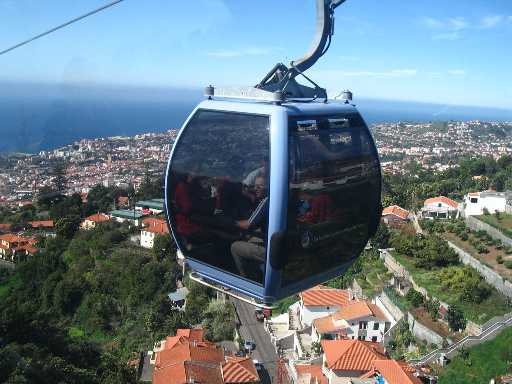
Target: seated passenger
187	198
254	248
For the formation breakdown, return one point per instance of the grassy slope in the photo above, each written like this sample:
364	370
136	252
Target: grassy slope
495	305
485	361
504	224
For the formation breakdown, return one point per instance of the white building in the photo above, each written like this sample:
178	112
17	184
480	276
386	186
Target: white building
321	301
92	221
152	228
359	320
440	207
476	202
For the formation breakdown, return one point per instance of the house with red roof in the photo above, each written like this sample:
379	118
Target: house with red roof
392	372
395	216
41	224
308	374
188	358
152	227
440	207
92	221
349	359
361	320
321	301
14	248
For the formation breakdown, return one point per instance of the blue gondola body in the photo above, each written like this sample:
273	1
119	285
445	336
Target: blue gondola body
322	179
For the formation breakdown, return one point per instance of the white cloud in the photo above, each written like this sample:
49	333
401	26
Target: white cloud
457	23
251	51
432	23
491	21
450	24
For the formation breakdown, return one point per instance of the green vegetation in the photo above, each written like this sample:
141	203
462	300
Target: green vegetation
410	190
402	339
501	221
481	363
91	300
435	267
369	271
478	244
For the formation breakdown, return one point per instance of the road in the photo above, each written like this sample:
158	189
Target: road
251	329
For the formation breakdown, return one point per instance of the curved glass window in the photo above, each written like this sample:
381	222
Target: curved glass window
334	194
218	186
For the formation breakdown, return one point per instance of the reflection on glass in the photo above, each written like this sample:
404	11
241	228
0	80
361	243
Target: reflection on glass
219	191
334	193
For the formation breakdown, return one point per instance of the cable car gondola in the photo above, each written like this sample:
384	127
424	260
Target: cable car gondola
273	189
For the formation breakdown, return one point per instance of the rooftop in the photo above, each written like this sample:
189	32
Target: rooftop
441	199
358	309
126	214
321	295
394	372
351	355
396	211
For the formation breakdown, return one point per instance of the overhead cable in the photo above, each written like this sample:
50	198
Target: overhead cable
102	8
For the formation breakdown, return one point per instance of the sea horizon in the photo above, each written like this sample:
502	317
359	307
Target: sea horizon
36	117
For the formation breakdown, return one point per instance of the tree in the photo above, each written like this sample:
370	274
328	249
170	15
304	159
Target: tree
381	237
456	318
66	227
219	321
164	247
316	348
414	297
432	307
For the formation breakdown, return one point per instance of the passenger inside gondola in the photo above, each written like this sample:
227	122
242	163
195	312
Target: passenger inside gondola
252	250
225	159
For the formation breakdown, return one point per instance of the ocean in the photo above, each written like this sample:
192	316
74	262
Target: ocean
36	117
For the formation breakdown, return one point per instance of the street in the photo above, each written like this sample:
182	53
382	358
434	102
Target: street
251	329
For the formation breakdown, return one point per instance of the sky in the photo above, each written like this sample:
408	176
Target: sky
452	52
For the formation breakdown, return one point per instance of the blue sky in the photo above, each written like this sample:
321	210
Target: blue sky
455	52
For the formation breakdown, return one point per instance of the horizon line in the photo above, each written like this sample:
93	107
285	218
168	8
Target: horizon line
89	84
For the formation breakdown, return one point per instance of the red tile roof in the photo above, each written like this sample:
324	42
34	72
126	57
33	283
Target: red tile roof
155	225
324	296
239	370
396	211
185	372
12	238
441	199
351	355
358	309
395	372
187	356
5	227
98	218
326	325
195	334
314	370
41	223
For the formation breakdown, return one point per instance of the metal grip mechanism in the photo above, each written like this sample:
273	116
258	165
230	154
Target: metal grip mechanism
281	78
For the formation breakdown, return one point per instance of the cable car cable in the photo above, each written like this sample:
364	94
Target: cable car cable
97	10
